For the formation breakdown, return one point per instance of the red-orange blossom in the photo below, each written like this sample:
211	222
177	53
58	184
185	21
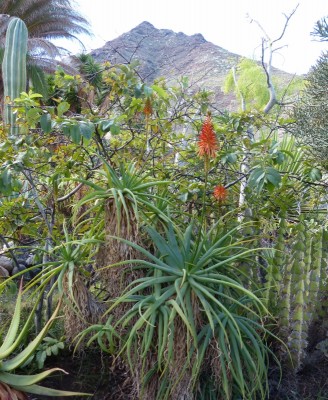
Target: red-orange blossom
220	192
207	142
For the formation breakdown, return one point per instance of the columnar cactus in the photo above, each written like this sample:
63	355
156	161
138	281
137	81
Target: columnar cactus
297	338
309	256
315	271
284	301
322	277
276	268
14	67
302	295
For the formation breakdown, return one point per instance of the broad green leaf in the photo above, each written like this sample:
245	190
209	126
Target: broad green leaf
278	157
256	175
138	91
45	122
105	125
160	91
62	108
232	158
66	129
6	177
273	176
75	134
33	116
115	129
41	358
87	129
314	174
21	157
35	95
147	91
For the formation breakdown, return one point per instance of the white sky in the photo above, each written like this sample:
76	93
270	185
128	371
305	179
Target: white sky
222	22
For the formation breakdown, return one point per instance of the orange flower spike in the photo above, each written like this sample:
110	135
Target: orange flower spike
207	142
148	110
220	193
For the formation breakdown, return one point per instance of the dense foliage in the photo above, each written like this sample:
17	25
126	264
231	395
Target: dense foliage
128	197
311	111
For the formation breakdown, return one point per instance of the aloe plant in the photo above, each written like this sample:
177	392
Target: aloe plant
14	67
190	317
12	385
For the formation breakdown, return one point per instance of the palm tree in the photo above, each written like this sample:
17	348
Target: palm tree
45	20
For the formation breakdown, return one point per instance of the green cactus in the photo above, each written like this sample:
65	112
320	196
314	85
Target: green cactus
321	275
315	270
284	301
300	293
276	267
309	258
14	68
298	323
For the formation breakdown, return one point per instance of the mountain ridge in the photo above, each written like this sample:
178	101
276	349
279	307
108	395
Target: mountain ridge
169	54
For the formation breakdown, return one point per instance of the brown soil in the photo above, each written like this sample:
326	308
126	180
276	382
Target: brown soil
311	383
92	373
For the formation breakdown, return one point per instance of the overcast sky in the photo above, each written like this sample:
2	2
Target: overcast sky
222	22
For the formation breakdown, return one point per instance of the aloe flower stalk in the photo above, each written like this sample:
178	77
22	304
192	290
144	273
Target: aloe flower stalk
207	142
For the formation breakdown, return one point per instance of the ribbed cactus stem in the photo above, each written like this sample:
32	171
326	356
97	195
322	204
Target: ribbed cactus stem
322	295
14	68
275	269
309	257
285	298
298	324
315	271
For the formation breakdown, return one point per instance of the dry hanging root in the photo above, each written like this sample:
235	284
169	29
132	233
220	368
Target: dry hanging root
116	279
176	381
81	309
180	369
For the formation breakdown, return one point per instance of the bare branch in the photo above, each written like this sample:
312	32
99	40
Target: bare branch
260	27
68	195
267	44
288	17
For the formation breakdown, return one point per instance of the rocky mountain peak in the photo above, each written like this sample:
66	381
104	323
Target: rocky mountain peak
144	28
164	53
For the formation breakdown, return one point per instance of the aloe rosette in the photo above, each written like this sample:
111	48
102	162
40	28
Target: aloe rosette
189	310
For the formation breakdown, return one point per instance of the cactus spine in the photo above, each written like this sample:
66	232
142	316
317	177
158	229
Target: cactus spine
14	68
